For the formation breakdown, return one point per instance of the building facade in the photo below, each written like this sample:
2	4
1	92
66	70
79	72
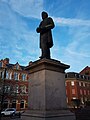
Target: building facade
86	71
78	87
14	85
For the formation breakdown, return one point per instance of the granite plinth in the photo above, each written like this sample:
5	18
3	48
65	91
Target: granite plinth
47	92
48	115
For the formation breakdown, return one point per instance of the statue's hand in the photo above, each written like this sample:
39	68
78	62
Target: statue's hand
43	30
38	30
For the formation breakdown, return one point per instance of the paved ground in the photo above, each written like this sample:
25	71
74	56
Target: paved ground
81	114
9	118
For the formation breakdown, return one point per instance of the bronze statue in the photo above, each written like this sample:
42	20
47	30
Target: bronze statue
46	41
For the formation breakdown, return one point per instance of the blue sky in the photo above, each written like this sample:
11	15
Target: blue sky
71	35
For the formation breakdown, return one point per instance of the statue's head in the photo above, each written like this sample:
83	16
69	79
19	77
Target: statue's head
44	15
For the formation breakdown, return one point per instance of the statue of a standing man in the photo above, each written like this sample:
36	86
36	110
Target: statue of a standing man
44	29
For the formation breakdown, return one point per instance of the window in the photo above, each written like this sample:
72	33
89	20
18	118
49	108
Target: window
77	75
22	104
10	75
17	66
72	83
79	83
14	104
7	89
73	91
88	92
1	64
23	77
2	74
84	92
16	76
5	105
23	89
83	84
82	76
81	92
16	89
7	75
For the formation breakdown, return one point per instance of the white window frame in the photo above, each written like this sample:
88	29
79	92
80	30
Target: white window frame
23	89
23	103
80	84
10	75
85	92
72	83
83	84
73	91
16	76
23	77
7	75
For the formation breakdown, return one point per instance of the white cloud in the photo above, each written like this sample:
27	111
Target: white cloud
71	22
77	51
23	43
17	40
27	8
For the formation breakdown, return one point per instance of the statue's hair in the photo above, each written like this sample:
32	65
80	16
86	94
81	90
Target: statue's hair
45	13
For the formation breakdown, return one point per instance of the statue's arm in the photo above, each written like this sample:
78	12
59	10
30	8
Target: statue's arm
39	28
50	24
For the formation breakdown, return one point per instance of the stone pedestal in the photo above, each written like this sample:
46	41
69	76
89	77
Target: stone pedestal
47	92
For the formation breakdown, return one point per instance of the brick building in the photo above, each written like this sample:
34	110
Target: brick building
78	86
13	85
86	71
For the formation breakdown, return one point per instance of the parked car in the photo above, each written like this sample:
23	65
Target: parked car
8	111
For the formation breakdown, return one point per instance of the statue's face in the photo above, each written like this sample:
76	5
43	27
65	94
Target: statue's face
44	15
